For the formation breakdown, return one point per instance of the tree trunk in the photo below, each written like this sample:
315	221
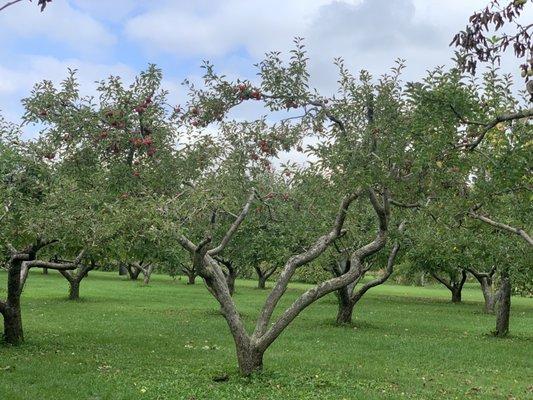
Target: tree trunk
456	295
122	270
13	333
133	272
344	313
74	290
147	273
250	359
488	295
230	280
261	282
45	271
504	306
191	279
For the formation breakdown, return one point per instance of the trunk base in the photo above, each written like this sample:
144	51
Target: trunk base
74	291
250	361
13	333
344	315
456	297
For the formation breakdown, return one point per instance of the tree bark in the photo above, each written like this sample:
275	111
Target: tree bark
147	273
489	296
249	359
74	279
230	280
504	306
486	282
262	276
347	295
250	348
190	273
74	290
454	286
261	282
345	312
133	272
45	271
13	333
456	295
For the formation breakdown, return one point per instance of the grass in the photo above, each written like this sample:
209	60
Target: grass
168	341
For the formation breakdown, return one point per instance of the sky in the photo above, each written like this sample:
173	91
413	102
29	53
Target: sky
121	37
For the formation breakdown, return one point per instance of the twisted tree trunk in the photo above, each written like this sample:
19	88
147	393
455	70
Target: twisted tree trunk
348	297
250	348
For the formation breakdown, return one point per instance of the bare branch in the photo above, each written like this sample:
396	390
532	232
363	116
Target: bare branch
9	3
526	113
233	228
187	244
441	280
499	225
56	265
405	205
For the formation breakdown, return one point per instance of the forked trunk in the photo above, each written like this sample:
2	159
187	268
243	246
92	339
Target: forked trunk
504	306
250	359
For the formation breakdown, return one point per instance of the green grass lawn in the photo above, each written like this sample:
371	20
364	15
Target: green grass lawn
168	341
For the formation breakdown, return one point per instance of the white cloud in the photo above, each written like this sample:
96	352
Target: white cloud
16	81
60	23
207	28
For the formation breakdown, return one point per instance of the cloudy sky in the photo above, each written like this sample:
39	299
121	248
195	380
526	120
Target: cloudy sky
103	37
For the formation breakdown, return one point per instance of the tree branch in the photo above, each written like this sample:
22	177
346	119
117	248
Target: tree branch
328	286
491	124
499	225
9	3
298	260
438	278
233	228
56	265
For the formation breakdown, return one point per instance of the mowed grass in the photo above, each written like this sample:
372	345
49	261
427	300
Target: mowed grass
168	341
